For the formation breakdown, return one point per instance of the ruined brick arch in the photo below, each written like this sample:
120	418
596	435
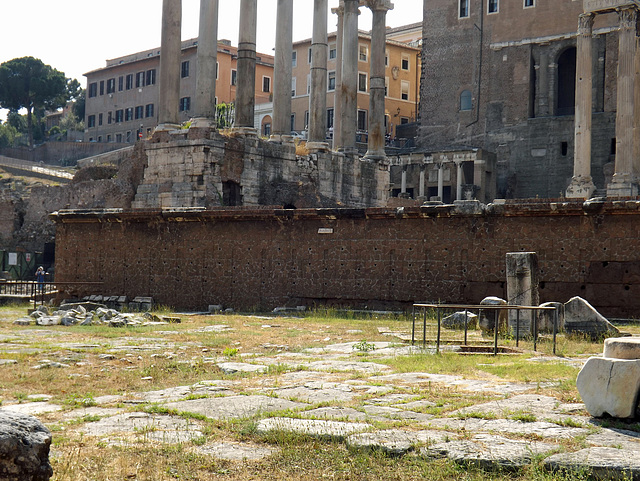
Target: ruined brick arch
566	81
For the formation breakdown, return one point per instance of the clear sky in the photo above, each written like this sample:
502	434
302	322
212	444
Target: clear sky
77	36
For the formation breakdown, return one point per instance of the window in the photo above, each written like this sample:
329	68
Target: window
310	55
306	119
99	119
293	86
405	62
128	114
129	81
140	79
331	81
294	59
266	84
119	138
362	82
492	6
464	8
333	52
330	114
109	117
308	84
111	85
109	138
120	83
362	120
529	3
405	86
386	59
91	121
217	72
293	122
99	138
234	77
363	53
184	69
404	120
119	116
129	136
101	87
185	104
151	76
139	112
466	102
149	110
93	89
386	86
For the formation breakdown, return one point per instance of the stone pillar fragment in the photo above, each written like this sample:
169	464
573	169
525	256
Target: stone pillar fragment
318	97
624	182
246	68
582	185
337	96
377	132
441	181
522	289
349	87
421	187
459	180
205	101
282	73
170	50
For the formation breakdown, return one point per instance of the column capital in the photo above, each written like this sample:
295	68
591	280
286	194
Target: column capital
627	18
379	5
585	23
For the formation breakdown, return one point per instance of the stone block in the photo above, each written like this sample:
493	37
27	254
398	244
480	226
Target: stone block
24	448
545	317
581	318
622	348
522	289
457	320
610	386
486	319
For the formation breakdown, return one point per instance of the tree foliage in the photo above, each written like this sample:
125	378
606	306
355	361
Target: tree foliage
28	83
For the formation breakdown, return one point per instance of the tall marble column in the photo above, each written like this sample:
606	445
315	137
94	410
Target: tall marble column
246	68
170	50
624	182
376	140
337	95
459	175
318	97
542	107
581	185
205	101
282	74
349	87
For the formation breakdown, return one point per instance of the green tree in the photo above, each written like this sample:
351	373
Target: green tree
27	83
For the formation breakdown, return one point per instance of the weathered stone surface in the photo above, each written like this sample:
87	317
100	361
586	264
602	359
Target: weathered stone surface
522	289
602	463
610	386
394	442
489	452
581	318
24	448
333	430
622	348
32	408
486	321
545	317
233	407
457	320
366	367
166	429
236	451
616	438
235	367
542	429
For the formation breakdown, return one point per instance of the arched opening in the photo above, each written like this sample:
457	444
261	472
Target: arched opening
567	82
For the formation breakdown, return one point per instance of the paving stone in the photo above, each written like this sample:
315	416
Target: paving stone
161	428
235	367
542	429
396	413
616	438
415	405
364	367
603	463
327	430
390	398
348	414
394	442
91	412
236	451
7	362
233	407
33	408
318	392
488	452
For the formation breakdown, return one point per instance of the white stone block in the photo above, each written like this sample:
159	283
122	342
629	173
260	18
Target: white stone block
622	347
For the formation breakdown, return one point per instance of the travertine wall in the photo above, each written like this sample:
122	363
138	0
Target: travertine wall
264	258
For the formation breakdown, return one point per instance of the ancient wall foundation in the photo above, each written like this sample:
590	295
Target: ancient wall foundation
264	257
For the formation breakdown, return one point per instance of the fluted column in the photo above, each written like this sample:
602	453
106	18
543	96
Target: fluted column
170	50
459	175
376	140
349	87
205	101
246	68
581	185
441	181
623	183
283	72
318	97
337	95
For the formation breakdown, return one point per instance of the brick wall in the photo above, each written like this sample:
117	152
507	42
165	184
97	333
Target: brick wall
263	258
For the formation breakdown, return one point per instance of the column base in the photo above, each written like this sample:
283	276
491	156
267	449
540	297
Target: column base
167	127
580	188
375	155
623	185
314	147
203	123
244	132
281	138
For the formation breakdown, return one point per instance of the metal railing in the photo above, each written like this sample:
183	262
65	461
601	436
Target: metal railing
36	292
424	307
